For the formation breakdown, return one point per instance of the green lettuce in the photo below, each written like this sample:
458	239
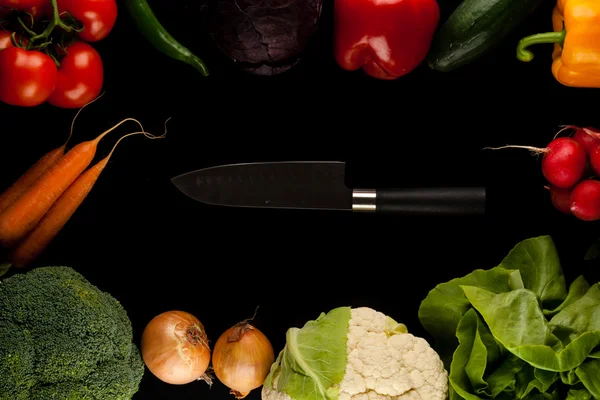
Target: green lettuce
516	331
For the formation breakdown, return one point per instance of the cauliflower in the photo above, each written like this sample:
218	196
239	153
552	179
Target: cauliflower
355	354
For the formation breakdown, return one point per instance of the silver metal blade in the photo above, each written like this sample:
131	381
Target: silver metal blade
286	184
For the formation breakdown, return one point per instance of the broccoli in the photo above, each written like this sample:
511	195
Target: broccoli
61	338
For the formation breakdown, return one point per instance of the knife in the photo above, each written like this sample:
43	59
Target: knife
319	185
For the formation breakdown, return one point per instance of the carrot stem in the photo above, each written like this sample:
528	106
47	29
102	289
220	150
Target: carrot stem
23	214
61	211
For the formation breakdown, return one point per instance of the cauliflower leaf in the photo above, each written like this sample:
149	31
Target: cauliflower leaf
306	369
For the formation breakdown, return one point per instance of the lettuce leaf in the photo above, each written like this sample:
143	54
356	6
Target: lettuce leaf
577	289
578	394
444	307
515	331
537	260
516	320
582	315
589	375
477	350
306	370
532	264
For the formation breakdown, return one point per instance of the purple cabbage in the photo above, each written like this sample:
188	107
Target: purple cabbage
264	37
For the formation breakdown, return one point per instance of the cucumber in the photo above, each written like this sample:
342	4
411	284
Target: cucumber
473	28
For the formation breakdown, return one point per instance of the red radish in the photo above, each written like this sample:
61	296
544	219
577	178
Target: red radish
592	132
564	161
595	159
585	200
561	199
588	140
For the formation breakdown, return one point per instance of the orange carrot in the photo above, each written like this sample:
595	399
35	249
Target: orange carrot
36	170
24	213
61	211
30	176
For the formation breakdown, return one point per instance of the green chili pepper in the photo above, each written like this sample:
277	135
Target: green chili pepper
149	26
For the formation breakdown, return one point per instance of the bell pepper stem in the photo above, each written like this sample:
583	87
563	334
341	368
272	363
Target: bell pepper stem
525	55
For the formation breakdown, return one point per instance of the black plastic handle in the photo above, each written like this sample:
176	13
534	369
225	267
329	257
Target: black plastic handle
432	201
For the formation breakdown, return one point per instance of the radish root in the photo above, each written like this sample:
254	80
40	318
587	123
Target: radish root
595	135
564	128
535	150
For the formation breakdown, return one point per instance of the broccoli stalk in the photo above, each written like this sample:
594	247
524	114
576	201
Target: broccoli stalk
62	338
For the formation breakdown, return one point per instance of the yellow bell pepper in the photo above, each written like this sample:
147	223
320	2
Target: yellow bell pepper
576	39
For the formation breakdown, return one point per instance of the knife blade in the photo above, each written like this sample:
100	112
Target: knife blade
319	185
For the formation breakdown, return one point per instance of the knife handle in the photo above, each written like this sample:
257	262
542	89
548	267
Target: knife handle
450	201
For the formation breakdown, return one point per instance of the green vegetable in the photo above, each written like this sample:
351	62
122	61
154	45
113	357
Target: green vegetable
473	29
4	267
324	366
64	339
515	331
150	28
352	353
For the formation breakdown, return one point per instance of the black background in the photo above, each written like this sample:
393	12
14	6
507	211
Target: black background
155	250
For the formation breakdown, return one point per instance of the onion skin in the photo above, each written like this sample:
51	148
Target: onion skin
175	348
242	358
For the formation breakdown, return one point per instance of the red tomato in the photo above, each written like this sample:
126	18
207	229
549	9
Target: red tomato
27	78
5	40
97	16
36	8
80	77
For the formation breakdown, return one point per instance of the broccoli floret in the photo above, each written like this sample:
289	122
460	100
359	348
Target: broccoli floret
61	338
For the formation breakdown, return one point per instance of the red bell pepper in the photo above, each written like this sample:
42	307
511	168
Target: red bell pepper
386	38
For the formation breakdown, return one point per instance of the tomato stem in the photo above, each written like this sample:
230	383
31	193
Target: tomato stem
53	23
13	39
25	27
31	18
55	61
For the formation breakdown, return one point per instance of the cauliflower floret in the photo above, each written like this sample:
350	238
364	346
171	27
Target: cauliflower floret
272	394
384	362
384	366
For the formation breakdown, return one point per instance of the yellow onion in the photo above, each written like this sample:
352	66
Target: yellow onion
175	348
242	358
